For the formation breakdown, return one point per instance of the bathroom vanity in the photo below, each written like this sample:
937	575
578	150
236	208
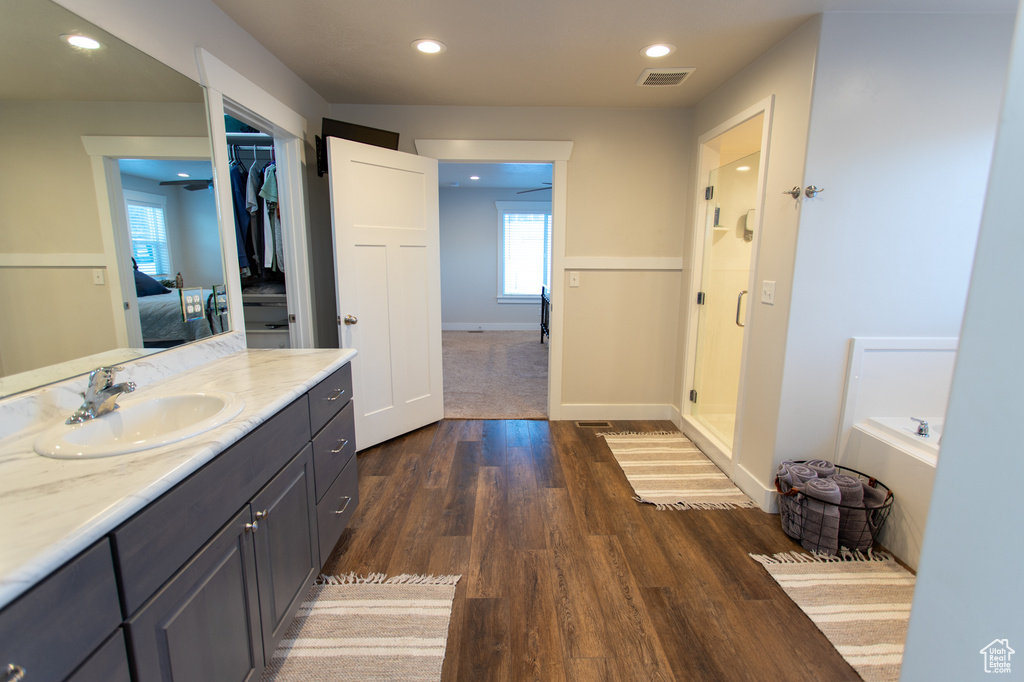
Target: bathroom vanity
187	561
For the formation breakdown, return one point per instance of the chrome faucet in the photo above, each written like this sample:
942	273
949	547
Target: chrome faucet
100	395
922	427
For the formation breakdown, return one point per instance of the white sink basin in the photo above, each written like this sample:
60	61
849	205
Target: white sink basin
140	425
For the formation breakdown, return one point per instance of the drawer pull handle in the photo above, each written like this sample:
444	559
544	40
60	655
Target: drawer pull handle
262	514
341	446
338	392
342	510
252	527
14	673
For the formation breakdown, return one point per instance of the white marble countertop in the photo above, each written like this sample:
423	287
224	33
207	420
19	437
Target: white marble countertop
52	509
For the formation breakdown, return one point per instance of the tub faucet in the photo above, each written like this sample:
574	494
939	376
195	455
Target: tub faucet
100	395
922	427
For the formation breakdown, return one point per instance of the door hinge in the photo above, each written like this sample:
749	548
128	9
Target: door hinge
700	298
709	192
291	318
693	395
339	320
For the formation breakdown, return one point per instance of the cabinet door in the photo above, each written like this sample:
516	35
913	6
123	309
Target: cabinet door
287	555
204	625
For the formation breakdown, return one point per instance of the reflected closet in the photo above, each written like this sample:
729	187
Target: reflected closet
256	205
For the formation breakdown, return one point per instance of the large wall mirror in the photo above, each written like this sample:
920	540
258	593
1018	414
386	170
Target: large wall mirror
105	182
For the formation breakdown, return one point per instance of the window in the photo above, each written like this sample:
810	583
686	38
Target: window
524	258
148	228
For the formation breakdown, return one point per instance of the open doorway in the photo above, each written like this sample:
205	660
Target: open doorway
496	235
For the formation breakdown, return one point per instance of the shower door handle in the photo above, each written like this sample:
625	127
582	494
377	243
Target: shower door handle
739	301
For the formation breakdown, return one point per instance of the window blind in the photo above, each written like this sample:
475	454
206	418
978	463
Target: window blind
149	238
527	253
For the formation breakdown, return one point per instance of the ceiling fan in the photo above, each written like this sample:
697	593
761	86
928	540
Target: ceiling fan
190	185
536	189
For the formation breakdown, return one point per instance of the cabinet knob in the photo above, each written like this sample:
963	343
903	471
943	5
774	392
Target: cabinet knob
14	673
260	515
252	527
341	446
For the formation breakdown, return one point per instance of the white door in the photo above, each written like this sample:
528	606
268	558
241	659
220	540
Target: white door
388	274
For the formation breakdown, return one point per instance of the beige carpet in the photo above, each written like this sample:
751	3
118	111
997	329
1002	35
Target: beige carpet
367	628
495	375
861	603
667	470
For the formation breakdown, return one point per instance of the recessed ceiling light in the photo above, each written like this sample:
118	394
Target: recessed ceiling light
430	46
743	168
659	50
474	177
182	175
84	42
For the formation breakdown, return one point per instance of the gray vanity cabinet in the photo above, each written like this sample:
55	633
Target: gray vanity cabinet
204	625
286	544
56	626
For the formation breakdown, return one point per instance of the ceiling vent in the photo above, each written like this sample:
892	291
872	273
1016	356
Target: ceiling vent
657	78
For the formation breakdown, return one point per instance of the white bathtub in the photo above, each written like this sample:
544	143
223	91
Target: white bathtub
902	432
889	450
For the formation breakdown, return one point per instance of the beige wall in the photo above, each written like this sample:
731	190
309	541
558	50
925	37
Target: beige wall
48	206
626	196
785	73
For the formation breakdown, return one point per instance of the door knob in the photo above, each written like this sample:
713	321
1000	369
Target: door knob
351	319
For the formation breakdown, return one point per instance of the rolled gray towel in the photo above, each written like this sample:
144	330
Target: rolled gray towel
820	531
801	473
822	467
874	498
789	509
853	523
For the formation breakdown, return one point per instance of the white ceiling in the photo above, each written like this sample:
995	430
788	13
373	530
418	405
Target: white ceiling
565	53
38	66
162	170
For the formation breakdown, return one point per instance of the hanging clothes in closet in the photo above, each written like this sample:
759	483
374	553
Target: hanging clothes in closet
242	218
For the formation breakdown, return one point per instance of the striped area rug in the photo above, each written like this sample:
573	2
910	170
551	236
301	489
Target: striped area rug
861	603
367	628
667	470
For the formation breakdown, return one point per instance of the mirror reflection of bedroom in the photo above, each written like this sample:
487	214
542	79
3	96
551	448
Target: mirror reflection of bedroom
175	249
495	224
261	264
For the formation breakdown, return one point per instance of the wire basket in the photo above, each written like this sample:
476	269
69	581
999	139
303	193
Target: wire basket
823	526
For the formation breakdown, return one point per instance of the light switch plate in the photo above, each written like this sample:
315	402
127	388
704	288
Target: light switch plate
768	292
97	277
574	278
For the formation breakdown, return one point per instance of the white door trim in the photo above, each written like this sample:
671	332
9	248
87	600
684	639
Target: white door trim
706	162
539	151
104	152
229	92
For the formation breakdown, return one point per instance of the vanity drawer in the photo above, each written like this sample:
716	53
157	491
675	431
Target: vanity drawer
333	447
109	663
157	541
336	509
53	628
329	396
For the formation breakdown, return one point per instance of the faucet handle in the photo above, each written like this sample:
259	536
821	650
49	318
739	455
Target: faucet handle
922	426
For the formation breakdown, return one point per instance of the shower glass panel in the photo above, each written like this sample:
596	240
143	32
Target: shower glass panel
724	277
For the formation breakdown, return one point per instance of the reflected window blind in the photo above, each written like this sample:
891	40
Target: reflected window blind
148	228
527	253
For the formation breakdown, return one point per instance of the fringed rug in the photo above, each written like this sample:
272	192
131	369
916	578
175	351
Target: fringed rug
667	470
860	602
365	628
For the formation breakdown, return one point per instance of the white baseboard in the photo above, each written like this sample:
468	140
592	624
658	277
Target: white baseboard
491	327
574	412
765	498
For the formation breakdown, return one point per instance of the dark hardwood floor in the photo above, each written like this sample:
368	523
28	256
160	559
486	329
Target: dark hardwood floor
565	577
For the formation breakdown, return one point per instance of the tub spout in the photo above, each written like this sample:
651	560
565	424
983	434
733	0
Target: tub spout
922	427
